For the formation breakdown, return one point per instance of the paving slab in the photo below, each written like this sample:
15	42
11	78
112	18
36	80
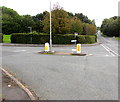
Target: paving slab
11	91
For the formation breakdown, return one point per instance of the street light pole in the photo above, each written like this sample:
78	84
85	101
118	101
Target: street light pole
50	29
30	29
30	32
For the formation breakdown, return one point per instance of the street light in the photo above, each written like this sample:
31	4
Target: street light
30	29
76	34
50	29
30	32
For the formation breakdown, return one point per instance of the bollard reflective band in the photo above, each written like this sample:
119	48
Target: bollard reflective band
78	48
47	47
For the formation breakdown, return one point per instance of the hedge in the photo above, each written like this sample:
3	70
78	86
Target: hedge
56	39
1	38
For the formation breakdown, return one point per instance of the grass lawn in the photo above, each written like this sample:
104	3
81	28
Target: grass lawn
6	38
117	38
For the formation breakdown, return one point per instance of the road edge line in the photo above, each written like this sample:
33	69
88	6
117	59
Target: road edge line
19	84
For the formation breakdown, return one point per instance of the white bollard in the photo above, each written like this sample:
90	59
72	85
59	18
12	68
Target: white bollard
47	48
78	48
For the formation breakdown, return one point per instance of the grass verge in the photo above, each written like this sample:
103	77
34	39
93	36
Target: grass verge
6	38
117	38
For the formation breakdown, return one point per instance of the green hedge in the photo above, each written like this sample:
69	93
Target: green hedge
1	38
87	39
56	39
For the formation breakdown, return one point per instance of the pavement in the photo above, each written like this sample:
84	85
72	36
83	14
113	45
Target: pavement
11	90
43	45
59	77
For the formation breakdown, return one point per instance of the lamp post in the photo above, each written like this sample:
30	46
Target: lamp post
30	32
50	29
76	34
30	29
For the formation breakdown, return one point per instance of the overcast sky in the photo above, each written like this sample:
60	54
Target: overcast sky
94	9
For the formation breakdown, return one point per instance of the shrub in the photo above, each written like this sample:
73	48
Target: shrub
56	38
1	38
87	39
19	38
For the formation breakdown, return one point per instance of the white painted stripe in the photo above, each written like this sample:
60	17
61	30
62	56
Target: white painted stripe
107	49
19	51
112	50
74	49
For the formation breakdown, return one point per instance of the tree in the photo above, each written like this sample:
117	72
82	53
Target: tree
76	26
70	14
10	21
110	27
26	22
46	22
83	18
38	22
60	21
89	29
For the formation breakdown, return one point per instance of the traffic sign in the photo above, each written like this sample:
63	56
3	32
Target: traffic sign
73	40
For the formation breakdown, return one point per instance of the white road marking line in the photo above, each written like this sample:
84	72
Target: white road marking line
74	49
89	55
19	51
111	50
107	49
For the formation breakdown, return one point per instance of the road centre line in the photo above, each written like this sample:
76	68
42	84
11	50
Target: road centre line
113	53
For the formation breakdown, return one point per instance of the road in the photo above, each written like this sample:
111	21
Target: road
57	77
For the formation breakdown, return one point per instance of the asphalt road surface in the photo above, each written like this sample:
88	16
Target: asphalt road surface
57	77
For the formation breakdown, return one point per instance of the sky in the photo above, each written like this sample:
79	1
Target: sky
94	9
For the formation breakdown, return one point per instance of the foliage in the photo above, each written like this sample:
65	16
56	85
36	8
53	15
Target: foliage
6	38
57	39
38	22
87	39
110	27
118	38
1	38
89	29
10	21
46	22
63	22
26	22
60	21
83	18
76	26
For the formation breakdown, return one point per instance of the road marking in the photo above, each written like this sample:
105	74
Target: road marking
112	50
113	53
106	55
89	55
19	51
74	49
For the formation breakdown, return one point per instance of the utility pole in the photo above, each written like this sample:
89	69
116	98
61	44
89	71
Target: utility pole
50	29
